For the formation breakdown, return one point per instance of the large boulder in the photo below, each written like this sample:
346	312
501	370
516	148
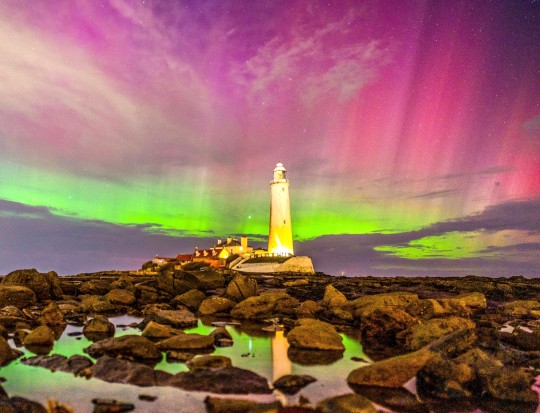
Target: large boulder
160	331
420	335
380	326
52	316
263	306
99	328
121	297
10	316
46	286
332	297
17	296
241	287
312	334
130	347
216	305
186	342
191	299
173	318
98	304
208	361
40	340
95	287
391	372
363	305
179	282
291	383
114	370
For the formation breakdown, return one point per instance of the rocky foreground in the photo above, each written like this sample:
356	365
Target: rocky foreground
470	342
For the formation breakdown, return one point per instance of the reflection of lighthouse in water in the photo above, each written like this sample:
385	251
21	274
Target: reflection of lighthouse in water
281	365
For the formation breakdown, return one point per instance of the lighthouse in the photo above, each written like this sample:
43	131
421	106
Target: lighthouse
280	234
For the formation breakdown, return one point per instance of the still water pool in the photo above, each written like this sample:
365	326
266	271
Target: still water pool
265	353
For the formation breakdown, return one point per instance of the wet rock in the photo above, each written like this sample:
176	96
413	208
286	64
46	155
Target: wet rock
74	364
10	316
227	380
40	336
121	297
98	304
347	403
174	356
191	299
146	294
52	316
308	309
208	362
510	383
391	372
156	330
3	332
296	283
380	326
131	347
241	287
422	334
114	370
315	335
125	282
260	307
17	296
95	287
186	342
332	297
173	318
222	405
313	357
431	308
7	354
216	305
473	300
291	384
46	286
395	399
20	405
99	328
111	406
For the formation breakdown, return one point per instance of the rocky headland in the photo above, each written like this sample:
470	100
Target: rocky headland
465	343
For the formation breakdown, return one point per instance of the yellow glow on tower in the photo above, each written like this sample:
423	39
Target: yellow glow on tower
280	234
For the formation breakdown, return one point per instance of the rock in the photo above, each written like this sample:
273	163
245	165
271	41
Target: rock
111	406
52	315
511	383
394	399
525	340
260	307
7	354
313	357
191	299
146	294
99	328
40	336
347	403
130	347
474	300
98	304
20	405
222	338
315	335
125	282
227	380
10	316
114	370
226	405
209	362
422	334
380	326
156	330
216	305
431	308
46	286
179	282
520	309
173	318
95	287
367	303
74	364
296	283
174	356
291	384
391	372
121	297
186	342
16	295
332	297
308	309
241	287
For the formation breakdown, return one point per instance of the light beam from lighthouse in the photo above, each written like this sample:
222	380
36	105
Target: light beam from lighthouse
280	240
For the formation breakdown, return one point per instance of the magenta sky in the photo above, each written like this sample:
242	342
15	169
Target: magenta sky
410	130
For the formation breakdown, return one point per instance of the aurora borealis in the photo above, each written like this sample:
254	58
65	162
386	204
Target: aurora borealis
410	131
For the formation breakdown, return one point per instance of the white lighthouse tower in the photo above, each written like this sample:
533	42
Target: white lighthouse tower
280	234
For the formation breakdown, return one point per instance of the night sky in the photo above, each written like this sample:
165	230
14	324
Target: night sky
410	131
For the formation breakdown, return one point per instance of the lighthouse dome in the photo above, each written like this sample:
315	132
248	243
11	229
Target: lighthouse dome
279	167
